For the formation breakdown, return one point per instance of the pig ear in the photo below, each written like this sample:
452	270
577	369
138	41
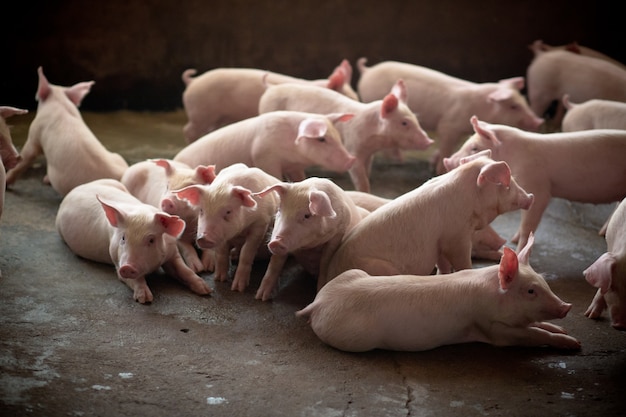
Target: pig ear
399	90
470	158
600	273
311	128
508	268
8	111
483	129
495	172
172	225
515	82
501	94
339	117
164	163
114	215
390	104
206	174
77	92
337	79
244	195
320	205
280	188
191	193
523	254
43	89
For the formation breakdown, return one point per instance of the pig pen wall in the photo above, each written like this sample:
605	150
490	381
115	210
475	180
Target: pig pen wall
136	50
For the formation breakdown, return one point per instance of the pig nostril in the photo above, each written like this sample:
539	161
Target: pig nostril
127	271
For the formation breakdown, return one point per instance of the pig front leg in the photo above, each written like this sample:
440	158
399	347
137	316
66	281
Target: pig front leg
359	175
31	150
141	292
178	269
190	255
269	283
222	262
208	259
597	306
531	219
537	334
246	259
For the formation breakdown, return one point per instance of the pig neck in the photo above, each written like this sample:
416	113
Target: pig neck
363	134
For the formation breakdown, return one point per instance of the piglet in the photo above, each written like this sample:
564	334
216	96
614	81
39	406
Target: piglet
9	156
223	96
574	47
312	218
232	217
386	124
443	102
73	154
431	225
608	272
553	74
281	143
101	221
586	166
593	114
153	182
503	305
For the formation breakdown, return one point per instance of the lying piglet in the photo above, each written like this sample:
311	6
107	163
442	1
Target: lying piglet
282	143
223	96
432	224
608	273
386	124
312	218
9	156
503	305
152	182
73	154
553	74
443	103
101	221
593	114
232	217
586	166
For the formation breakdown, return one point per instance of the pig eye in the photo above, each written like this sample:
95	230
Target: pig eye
531	291
123	239
151	240
321	139
307	216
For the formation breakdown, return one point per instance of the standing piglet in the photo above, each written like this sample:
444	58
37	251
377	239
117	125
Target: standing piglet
282	143
73	154
443	103
101	221
503	305
586	166
312	218
431	225
231	217
608	273
153	182
227	95
593	114
386	124
574	47
9	156
553	74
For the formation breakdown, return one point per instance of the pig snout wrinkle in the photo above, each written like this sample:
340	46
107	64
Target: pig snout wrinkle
128	272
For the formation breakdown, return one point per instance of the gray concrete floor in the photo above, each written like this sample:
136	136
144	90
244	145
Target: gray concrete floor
74	343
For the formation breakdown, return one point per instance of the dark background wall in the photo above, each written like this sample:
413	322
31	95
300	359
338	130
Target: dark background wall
136	50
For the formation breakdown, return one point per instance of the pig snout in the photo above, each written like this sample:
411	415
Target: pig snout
563	309
204	242
128	271
349	162
526	200
449	164
168	206
277	246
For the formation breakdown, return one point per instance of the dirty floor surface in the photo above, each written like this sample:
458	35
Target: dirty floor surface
74	343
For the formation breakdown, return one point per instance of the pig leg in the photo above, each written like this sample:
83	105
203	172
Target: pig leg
178	269
531	336
359	174
208	259
531	218
597	306
246	259
31	150
222	262
460	257
269	283
189	254
141	292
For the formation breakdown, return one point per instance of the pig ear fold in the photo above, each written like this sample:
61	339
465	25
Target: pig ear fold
523	254
172	225
399	90
77	92
113	214
600	273
244	195
515	82
320	205
206	174
508	268
280	188
483	129
390	104
495	172
311	128
8	111
165	164
191	193
43	88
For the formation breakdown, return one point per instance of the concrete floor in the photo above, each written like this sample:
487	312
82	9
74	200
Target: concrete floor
74	343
